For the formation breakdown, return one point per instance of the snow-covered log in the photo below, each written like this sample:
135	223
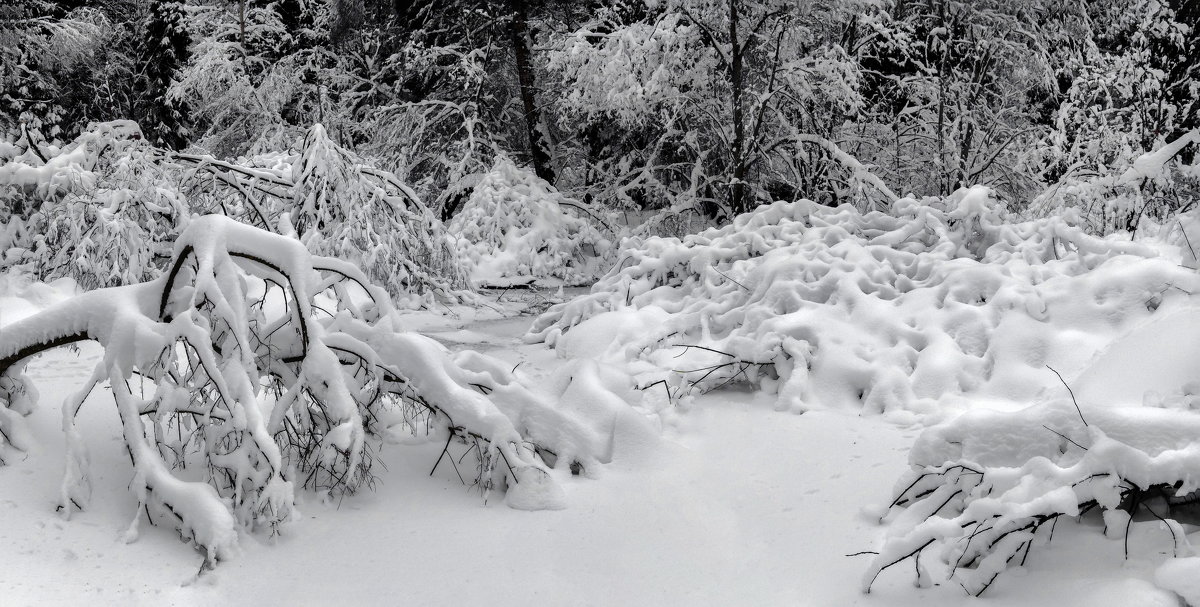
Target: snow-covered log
265	367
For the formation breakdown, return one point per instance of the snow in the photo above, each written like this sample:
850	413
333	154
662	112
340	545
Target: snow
721	501
1163	339
912	313
1001	377
1182	576
515	227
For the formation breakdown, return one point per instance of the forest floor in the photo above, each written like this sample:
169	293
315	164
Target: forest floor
735	504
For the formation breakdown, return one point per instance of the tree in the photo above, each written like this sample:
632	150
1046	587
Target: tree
950	85
228	364
518	28
164	51
783	78
38	45
1133	88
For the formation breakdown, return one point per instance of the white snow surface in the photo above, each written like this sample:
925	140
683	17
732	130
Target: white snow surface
720	500
913	312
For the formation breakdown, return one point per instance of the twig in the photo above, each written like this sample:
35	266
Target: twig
1065	437
714	267
1072	393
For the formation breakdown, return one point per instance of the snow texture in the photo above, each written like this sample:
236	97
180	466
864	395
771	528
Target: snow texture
908	311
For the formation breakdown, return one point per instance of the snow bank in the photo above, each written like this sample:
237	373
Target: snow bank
517	225
1181	576
906	310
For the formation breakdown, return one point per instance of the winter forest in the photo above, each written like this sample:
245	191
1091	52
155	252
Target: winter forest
600	302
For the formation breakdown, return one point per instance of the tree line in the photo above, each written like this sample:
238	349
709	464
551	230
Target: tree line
714	106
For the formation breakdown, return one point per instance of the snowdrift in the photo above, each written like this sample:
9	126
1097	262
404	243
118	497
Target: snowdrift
516	226
907	310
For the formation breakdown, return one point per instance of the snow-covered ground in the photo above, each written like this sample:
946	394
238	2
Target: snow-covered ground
733	502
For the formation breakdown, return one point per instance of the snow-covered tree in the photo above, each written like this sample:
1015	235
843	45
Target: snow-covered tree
343	208
252	82
38	47
101	210
163	52
782	84
105	208
516	226
265	369
949	86
1133	88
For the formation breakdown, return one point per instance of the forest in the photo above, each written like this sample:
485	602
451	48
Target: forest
605	252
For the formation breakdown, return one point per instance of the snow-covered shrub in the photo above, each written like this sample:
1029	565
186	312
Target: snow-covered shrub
1154	185
984	485
263	367
101	211
344	208
338	205
516	225
888	311
33	175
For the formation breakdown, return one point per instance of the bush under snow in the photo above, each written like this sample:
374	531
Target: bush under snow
105	209
516	225
890	311
986	486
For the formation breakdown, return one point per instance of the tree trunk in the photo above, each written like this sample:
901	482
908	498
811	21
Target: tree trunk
737	194
518	29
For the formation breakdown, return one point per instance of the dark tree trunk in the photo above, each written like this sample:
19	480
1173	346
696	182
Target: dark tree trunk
737	194
518	29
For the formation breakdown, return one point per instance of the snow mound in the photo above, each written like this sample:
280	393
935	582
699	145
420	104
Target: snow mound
929	302
1181	576
517	225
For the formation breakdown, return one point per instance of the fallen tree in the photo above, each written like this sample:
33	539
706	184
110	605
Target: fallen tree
261	367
